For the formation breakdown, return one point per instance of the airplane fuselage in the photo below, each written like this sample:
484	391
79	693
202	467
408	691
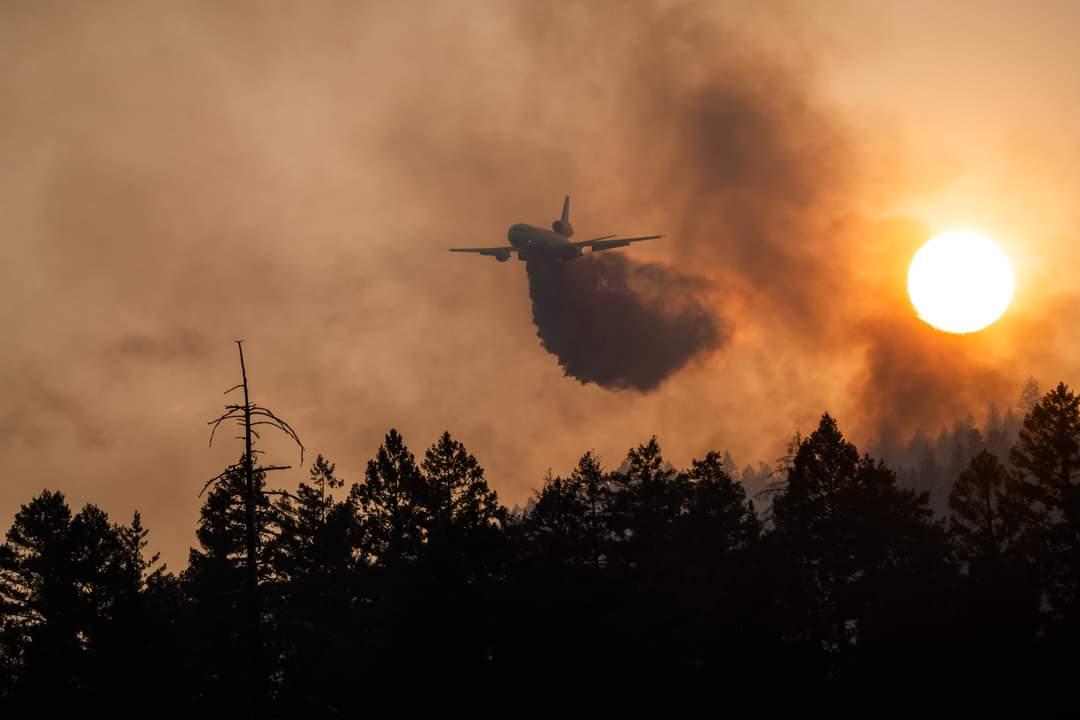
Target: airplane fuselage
536	243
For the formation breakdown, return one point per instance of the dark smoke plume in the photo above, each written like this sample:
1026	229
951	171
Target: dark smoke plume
621	324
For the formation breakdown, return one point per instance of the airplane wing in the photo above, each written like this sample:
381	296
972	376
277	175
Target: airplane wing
606	242
503	252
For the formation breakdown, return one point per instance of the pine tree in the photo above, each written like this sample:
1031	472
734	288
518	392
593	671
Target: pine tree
62	587
315	533
457	498
217	582
391	503
568	519
42	611
855	538
138	569
313	594
999	600
593	487
555	524
984	524
730	466
243	485
1029	397
718	515
1047	461
648	496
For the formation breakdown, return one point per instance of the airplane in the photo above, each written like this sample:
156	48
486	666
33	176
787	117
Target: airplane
536	243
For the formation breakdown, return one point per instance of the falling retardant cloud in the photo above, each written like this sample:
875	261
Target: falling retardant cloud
619	323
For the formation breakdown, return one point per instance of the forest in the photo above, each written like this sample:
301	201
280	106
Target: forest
951	571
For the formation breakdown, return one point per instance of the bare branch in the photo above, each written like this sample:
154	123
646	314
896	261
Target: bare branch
220	476
230	415
282	493
282	425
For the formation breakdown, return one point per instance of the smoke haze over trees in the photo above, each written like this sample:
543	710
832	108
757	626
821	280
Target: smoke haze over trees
335	152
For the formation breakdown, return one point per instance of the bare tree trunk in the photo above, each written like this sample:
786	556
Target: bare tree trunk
248	416
254	635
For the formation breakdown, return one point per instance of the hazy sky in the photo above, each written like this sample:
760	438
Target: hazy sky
174	176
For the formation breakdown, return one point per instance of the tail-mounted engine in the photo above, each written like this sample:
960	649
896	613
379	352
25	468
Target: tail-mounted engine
563	228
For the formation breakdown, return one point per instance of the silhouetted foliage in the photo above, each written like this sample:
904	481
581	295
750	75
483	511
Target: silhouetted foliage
985	520
999	595
1047	462
865	553
455	494
718	516
391	503
568	522
72	591
313	562
613	586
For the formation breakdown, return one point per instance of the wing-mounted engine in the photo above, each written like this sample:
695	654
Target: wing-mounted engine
501	255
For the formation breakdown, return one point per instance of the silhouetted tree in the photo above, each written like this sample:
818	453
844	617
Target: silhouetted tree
569	517
965	441
718	517
1047	460
314	589
139	570
999	604
862	549
648	582
391	503
1030	396
984	524
64	581
42	610
593	487
647	497
442	602
216	582
998	431
316	534
730	466
555	525
246	482
462	513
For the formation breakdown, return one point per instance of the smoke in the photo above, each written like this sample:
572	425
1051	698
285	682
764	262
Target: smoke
178	178
621	324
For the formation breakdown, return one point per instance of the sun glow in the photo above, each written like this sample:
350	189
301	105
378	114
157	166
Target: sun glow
960	282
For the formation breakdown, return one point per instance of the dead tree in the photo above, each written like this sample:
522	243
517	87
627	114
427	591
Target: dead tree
249	416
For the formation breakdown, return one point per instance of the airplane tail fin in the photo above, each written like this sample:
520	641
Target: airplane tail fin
562	225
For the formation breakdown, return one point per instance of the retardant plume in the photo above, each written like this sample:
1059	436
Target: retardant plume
621	324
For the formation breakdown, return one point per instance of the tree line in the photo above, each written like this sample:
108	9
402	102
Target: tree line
614	586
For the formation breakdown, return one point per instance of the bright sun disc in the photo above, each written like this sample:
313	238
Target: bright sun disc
960	282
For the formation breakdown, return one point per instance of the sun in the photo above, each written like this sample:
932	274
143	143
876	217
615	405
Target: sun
960	281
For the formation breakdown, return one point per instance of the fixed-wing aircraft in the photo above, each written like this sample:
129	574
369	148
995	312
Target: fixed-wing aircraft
536	243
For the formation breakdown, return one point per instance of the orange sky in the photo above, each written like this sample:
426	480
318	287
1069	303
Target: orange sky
179	176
